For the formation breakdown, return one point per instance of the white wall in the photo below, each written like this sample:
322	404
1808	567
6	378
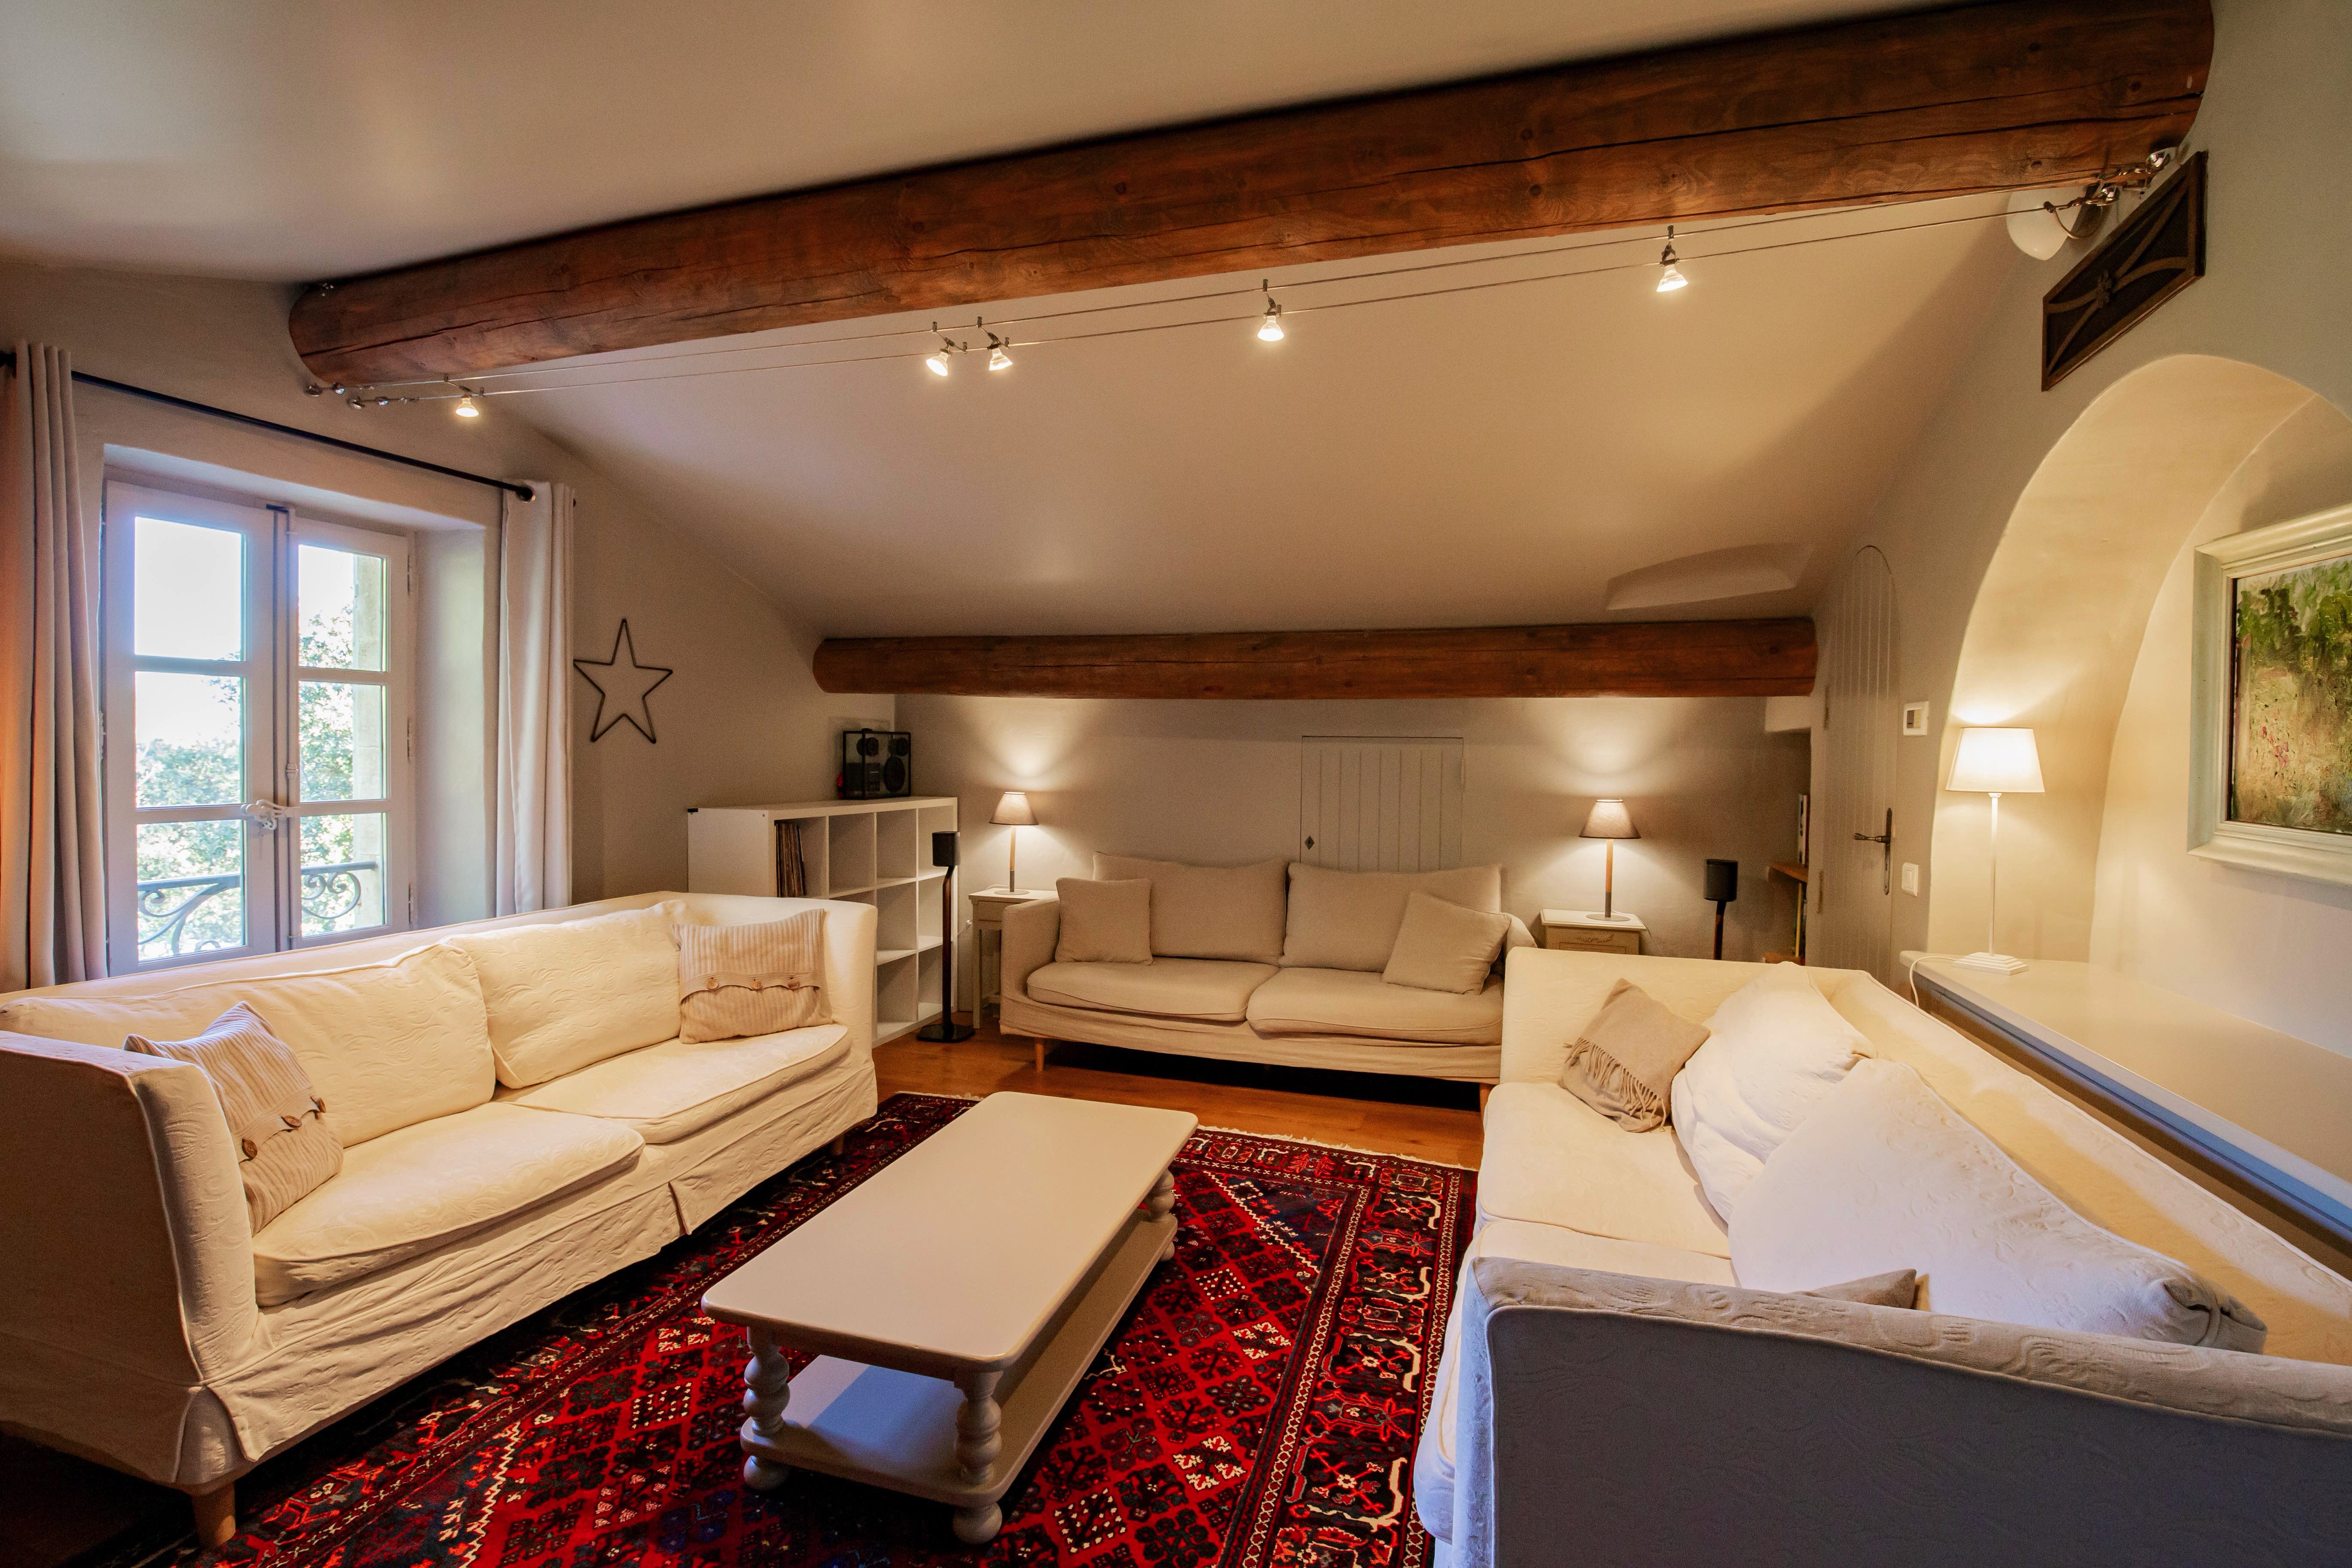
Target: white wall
2265	947
2276	120
740	721
1217	784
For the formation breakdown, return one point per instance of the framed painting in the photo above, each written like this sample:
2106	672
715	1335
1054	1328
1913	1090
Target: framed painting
2271	694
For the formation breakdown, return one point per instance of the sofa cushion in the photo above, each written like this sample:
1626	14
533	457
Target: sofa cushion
1350	920
1348	1002
1773	1049
1209	912
569	992
1217	990
758	979
427	1184
1104	923
387	1045
1624	1061
1551	1158
1885	1175
285	1147
1433	1464
667	1093
1445	947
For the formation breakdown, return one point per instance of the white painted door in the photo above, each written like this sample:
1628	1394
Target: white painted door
1380	802
1853	839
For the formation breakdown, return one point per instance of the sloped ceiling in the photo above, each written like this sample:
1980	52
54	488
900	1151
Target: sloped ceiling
1487	457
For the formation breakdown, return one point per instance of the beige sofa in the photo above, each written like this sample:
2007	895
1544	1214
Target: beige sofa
1609	1393
148	1327
1263	963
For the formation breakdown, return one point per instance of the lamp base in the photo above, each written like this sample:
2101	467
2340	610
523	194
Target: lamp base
1994	963
945	1029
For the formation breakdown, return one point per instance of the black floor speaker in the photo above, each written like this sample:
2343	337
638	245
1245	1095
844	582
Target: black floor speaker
944	1028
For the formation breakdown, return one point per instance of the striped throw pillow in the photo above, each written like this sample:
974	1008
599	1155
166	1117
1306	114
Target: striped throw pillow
751	979
275	1115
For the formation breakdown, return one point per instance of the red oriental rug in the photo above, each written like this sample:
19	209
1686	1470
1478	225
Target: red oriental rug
1258	1408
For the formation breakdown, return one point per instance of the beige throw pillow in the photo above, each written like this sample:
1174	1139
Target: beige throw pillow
1208	912
1350	920
1104	923
1445	947
734	981
276	1118
1896	1287
1623	1063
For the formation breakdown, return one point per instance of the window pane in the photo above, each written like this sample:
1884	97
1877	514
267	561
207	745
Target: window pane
191	887
343	740
189	591
343	873
191	738
341	608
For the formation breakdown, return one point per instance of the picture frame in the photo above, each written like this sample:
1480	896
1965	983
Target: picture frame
2270	776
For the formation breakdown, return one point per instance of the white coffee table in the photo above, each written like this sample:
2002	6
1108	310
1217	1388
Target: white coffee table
954	1300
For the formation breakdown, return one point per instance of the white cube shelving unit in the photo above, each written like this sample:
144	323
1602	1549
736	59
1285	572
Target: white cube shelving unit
873	852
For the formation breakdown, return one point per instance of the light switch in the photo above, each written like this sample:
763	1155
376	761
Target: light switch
1910	879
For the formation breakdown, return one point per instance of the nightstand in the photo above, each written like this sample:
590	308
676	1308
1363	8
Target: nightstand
988	907
1586	930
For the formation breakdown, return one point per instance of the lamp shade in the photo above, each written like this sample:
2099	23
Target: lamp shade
1610	819
1013	810
1998	761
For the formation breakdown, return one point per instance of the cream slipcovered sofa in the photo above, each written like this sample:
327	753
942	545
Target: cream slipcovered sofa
1609	1395
146	1326
1269	964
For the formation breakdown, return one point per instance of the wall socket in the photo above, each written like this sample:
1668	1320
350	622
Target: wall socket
1911	878
1914	718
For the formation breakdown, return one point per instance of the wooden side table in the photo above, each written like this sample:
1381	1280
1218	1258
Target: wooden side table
1586	930
988	907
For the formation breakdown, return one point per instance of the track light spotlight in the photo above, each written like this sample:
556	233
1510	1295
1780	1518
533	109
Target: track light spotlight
937	361
1671	278
997	358
467	409
1269	331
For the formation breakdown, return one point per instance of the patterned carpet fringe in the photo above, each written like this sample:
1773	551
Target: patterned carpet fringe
1258	1408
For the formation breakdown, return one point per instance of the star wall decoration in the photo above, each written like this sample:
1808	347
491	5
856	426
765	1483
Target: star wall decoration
622	685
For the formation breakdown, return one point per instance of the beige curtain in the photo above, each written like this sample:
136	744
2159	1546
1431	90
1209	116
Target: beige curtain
535	780
52	855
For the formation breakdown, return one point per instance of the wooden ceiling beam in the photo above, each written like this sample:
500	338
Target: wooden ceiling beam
1630	659
2012	95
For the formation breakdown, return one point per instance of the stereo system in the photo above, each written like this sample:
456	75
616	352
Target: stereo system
876	765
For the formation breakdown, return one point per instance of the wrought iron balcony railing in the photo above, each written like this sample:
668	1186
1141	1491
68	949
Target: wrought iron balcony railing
166	904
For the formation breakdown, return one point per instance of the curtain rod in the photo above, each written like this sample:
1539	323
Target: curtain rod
9	357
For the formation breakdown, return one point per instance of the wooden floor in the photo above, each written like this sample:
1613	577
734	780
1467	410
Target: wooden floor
1422	1118
53	1509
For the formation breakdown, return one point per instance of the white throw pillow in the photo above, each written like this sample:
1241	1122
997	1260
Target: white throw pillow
1774	1048
565	994
1445	947
1104	923
1885	1175
1208	912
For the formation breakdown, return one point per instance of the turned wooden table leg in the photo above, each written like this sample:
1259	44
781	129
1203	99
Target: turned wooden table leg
216	1515
1161	1204
767	1389
977	1445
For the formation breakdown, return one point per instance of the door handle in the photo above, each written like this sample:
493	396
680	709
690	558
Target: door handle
1885	841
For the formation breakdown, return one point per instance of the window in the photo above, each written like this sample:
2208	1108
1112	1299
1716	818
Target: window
258	728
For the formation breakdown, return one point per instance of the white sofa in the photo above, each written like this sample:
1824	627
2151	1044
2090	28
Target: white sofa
1262	1000
148	1327
1609	1393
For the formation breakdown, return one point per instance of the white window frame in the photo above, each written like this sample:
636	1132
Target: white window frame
272	804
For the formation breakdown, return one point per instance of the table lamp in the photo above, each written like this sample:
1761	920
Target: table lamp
1608	820
1995	762
1013	810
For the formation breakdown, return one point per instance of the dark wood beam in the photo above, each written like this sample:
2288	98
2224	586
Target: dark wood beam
2006	96
1635	658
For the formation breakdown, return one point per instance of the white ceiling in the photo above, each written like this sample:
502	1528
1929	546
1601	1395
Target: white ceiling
303	139
1481	458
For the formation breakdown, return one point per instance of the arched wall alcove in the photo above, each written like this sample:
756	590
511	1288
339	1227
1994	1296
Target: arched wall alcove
2056	631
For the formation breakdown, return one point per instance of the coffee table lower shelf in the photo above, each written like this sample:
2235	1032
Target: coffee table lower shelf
897	1429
